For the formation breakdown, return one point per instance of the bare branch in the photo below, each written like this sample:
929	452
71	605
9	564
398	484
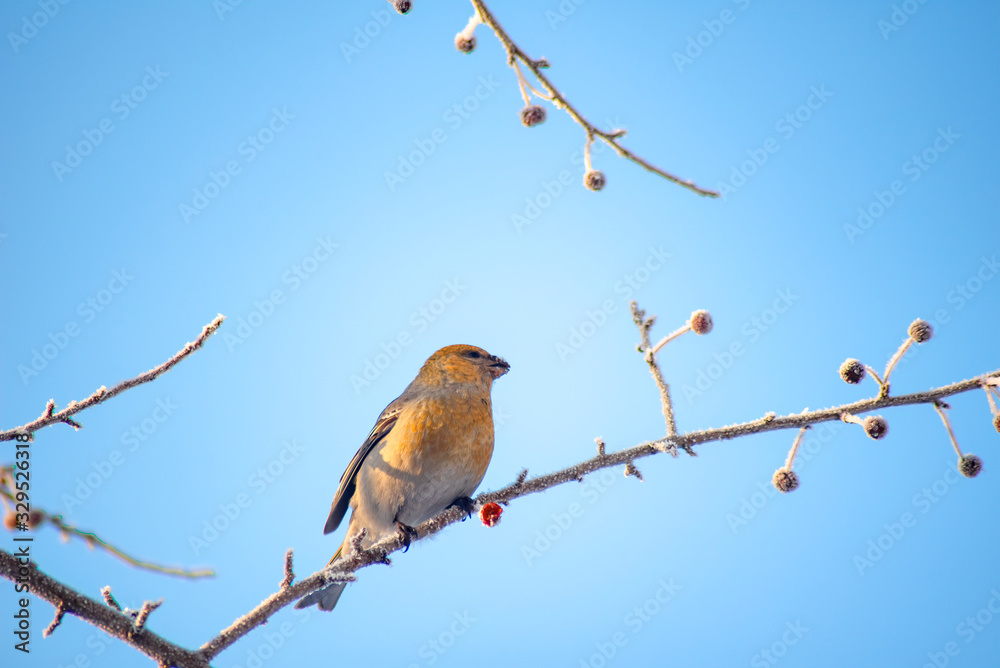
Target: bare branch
286	595
96	613
520	488
121	626
645	324
131	627
93	540
102	394
515	53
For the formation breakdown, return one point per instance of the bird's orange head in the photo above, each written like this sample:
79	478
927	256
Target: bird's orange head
463	364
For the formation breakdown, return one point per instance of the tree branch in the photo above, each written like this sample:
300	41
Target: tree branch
515	53
122	626
111	621
131	627
649	354
102	394
38	517
344	569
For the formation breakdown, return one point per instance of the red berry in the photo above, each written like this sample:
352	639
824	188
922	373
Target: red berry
490	514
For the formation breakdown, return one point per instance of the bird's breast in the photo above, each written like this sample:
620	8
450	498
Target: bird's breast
438	450
446	433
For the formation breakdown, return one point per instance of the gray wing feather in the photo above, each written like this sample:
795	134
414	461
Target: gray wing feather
348	481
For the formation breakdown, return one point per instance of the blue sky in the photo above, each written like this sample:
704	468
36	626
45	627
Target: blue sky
163	163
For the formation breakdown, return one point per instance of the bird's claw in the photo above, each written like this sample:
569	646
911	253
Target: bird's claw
465	504
407	534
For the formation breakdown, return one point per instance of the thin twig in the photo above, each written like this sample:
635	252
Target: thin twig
522	83
93	540
147	608
989	398
60	611
289	573
645	324
939	407
514	53
903	347
110	599
587	163
671	336
795	448
883	386
631	470
850	418
102	394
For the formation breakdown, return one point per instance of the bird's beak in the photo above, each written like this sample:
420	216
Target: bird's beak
499	367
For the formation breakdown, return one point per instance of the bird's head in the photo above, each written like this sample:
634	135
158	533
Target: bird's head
464	363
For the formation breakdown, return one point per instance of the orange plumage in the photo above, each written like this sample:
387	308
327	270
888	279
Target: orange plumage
429	449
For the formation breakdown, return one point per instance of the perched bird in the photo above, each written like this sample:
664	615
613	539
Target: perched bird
429	450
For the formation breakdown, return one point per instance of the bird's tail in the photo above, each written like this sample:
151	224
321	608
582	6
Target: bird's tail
327	597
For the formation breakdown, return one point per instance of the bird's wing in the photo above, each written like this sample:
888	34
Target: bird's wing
345	491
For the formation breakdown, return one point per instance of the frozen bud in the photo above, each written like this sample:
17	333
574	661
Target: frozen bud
996	421
970	466
465	44
852	371
920	331
402	6
701	322
594	180
9	520
875	426
35	518
532	115
784	480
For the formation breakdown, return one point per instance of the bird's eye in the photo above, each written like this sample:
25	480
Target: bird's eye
473	354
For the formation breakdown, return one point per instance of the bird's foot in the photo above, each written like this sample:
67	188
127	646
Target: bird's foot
465	504
407	534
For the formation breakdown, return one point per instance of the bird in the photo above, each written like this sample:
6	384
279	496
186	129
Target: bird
428	451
